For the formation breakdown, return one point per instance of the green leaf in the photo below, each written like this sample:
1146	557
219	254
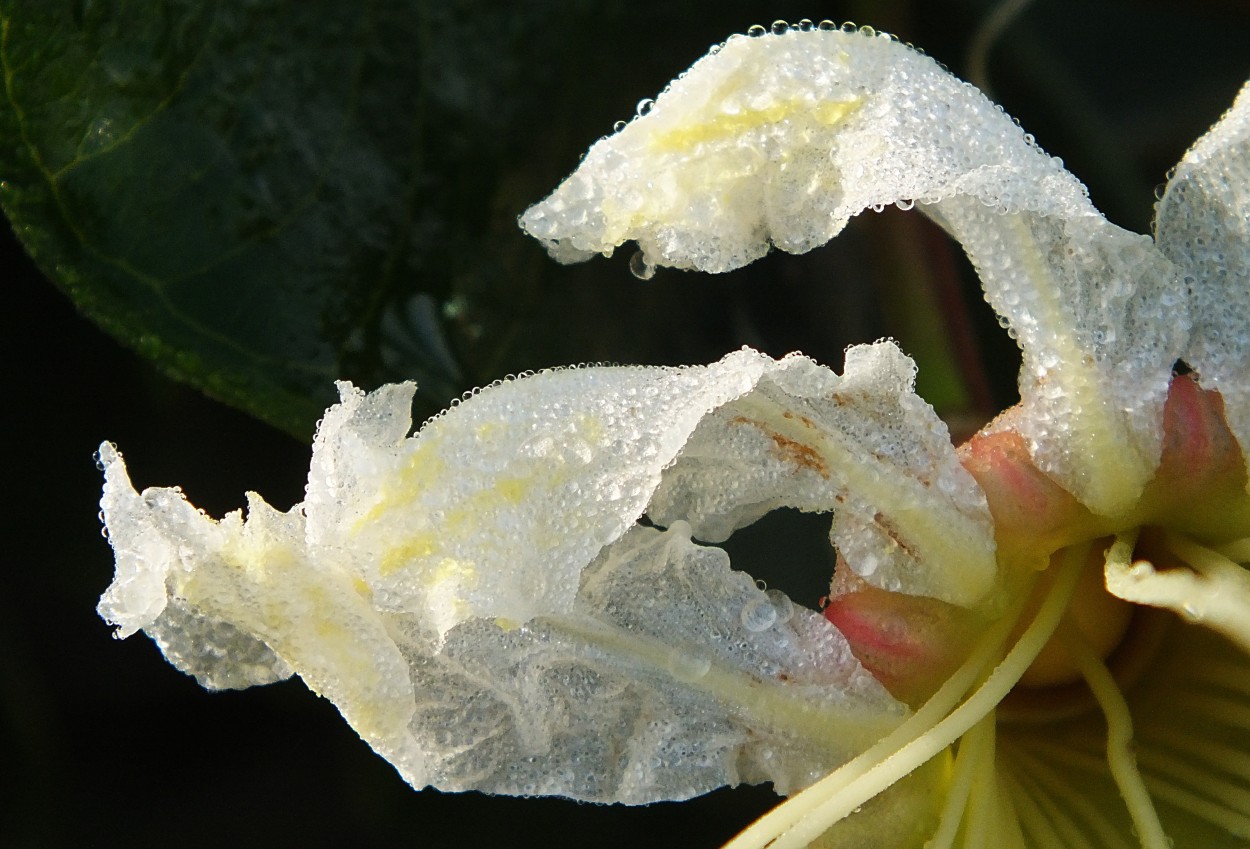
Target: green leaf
267	196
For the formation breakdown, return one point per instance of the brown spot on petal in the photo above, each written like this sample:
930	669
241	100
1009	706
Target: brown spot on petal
790	450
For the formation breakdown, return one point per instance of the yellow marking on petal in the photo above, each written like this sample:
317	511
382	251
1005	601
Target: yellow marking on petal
419	473
512	490
506	624
727	125
414	548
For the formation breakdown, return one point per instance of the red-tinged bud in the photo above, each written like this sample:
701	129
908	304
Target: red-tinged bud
910	644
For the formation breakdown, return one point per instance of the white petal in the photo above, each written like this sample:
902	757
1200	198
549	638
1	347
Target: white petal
908	517
643	670
672	676
1203	225
496	506
779	140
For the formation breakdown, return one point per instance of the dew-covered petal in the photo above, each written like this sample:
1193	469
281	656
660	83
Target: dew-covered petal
672	675
238	603
780	139
1203	225
496	506
907	516
664	673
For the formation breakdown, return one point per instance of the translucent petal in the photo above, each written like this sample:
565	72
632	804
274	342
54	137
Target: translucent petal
779	140
908	517
475	603
1203	225
498	504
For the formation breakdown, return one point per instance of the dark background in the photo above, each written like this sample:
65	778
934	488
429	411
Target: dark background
103	744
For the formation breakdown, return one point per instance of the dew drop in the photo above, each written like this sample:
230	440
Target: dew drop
618	126
905	204
687	667
644	106
827	25
758	615
780	27
782	604
868	31
849	26
756	31
640	266
806	25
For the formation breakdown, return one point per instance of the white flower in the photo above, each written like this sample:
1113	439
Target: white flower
484	607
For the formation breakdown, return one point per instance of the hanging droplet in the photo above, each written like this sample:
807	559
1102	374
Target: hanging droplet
640	266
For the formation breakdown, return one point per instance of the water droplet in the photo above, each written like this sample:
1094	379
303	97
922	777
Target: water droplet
756	31
687	667
640	266
618	126
758	615
905	204
827	25
644	106
806	25
868	31
780	27
1191	611
782	605
849	26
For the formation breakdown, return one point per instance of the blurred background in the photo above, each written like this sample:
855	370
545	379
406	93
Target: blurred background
103	744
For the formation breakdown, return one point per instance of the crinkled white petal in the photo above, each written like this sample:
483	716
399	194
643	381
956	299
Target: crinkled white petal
479	604
496	506
779	140
1203	225
907	516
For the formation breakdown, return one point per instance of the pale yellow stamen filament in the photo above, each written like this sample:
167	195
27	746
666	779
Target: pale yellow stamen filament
1120	757
800	820
1214	591
983	813
973	749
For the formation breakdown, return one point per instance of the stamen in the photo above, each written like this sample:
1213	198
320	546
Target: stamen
800	820
983	811
1120	757
1215	591
971	758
